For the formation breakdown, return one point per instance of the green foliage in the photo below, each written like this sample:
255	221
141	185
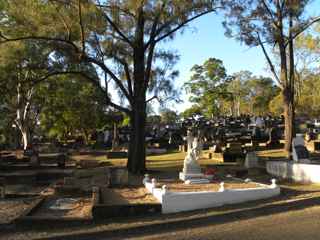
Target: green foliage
168	116
192	111
208	85
154	120
308	103
71	107
276	105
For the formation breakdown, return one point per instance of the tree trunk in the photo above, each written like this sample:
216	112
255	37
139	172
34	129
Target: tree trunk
288	95
25	137
115	138
137	151
288	118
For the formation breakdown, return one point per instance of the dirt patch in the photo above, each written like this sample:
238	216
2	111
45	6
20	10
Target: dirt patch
127	196
11	209
179	186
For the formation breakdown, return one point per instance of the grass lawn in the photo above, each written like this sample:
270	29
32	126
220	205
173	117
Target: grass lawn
171	161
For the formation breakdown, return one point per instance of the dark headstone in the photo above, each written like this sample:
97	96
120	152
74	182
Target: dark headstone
302	152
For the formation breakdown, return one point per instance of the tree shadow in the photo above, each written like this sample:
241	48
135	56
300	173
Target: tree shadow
181	221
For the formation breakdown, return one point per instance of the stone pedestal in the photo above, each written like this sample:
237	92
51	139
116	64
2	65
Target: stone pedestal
189	176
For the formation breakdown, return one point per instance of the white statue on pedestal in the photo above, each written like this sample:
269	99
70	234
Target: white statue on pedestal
191	169
191	165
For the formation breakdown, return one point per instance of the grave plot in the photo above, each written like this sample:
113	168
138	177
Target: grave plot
13	208
124	201
61	207
180	186
177	196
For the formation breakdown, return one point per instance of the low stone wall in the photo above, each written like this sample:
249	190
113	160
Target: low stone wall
299	172
173	202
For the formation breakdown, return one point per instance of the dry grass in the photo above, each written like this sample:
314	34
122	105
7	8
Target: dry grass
128	195
179	186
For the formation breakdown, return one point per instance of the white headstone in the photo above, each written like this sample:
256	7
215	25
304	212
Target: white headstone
299	151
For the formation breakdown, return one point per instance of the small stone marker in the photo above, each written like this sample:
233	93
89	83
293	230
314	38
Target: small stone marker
146	179
221	189
273	183
164	189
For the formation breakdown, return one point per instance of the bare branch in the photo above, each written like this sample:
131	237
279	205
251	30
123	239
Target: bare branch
150	99
81	27
115	27
269	60
180	25
41	38
112	75
303	28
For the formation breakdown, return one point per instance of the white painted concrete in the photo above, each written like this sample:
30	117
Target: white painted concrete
299	172
173	202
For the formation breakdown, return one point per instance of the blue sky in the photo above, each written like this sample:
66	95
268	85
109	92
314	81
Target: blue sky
204	38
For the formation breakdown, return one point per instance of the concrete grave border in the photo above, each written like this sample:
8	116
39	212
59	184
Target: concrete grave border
299	172
173	202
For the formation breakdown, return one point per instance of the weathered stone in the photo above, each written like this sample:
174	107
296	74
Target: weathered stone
89	163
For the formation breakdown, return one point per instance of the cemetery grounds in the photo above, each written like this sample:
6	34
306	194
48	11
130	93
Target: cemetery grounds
161	166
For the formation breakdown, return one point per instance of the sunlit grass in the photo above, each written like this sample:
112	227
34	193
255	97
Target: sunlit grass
172	160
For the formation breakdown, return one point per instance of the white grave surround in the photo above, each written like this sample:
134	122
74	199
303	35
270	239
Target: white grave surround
299	172
173	202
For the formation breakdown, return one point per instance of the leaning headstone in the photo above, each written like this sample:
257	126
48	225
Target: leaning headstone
299	151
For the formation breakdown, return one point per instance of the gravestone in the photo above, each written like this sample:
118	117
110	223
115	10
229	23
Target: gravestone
273	138
119	176
299	151
33	155
87	178
251	160
2	188
61	160
233	152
